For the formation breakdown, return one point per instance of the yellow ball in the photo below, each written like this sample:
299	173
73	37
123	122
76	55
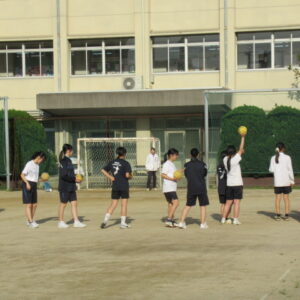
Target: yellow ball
45	176
177	175
79	177
242	130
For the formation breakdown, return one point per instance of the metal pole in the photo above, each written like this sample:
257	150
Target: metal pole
6	125
226	42
206	128
58	44
86	167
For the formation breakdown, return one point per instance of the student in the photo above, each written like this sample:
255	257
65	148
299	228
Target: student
222	183
152	165
119	172
67	187
281	167
195	172
234	190
30	178
170	186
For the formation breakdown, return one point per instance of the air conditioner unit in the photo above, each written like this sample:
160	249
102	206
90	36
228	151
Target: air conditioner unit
133	83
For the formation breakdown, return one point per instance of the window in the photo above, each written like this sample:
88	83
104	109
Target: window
268	50
194	53
102	56
26	59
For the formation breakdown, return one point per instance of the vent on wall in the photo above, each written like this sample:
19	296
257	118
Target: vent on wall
132	83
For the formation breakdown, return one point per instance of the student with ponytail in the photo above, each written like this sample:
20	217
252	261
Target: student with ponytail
281	167
67	187
234	190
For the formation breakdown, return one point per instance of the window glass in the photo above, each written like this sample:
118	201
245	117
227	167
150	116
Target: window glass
176	39
160	60
211	38
282	34
14	64
195	38
3	72
94	43
296	34
32	64
78	63
78	43
212	58
14	45
46	44
112	42
128	60
176	55
263	56
160	40
282	54
262	35
127	41
2	46
32	45
94	61
247	36
195	58
296	54
112	61
245	56
47	63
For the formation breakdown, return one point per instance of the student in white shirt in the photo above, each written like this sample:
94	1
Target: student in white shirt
152	165
30	178
234	190
170	186
281	167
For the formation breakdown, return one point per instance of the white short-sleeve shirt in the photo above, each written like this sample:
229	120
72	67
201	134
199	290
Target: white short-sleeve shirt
234	176
169	169
31	171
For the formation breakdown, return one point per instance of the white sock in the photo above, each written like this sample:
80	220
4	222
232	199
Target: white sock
106	217
223	220
76	221
123	219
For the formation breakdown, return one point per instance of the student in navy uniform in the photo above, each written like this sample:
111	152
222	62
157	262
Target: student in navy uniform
30	178
119	172
195	173
281	167
67	187
222	184
234	190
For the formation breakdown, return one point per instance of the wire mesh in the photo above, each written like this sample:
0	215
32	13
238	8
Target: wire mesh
95	153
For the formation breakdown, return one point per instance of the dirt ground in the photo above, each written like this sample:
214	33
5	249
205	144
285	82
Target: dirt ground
256	260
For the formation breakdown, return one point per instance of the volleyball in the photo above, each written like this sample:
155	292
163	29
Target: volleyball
177	175
45	176
242	130
79	177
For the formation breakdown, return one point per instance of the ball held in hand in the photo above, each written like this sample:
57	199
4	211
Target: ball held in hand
79	177
45	176
242	130
177	175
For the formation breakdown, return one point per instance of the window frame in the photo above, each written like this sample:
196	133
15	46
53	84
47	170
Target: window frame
103	49
186	46
23	51
272	41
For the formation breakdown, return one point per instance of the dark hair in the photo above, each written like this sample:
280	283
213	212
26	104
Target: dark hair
222	156
172	151
121	151
279	148
40	154
65	148
231	151
195	152
152	148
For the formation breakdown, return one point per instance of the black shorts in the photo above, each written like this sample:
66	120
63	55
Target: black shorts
222	199
282	190
116	194
29	197
66	197
234	192
170	196
192	199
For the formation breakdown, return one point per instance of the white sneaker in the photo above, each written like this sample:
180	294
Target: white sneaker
223	220
182	225
147	190
155	189
236	222
78	224
33	225
62	224
203	226
228	221
169	223
124	226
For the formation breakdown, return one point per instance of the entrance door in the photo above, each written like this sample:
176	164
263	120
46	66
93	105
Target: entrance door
176	139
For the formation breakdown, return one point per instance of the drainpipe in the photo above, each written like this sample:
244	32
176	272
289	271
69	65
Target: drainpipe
58	45
226	42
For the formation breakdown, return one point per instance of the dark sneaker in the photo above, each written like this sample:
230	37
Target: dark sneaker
285	218
277	217
103	225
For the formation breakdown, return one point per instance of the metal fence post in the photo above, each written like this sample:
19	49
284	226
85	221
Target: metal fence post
7	158
206	128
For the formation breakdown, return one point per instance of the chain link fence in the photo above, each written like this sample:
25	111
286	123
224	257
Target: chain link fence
95	153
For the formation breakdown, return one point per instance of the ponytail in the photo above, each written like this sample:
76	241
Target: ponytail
231	151
64	150
279	148
228	163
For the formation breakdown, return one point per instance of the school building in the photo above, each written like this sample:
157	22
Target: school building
139	68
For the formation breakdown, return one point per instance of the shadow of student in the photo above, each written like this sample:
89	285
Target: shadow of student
216	217
295	215
190	221
2	209
80	218
45	220
117	222
266	213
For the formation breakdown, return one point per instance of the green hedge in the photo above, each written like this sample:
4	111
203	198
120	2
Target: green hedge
259	141
27	136
282	124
